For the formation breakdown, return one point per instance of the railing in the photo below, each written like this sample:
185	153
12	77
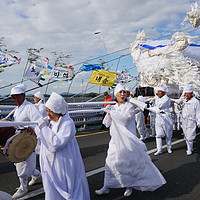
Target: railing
83	113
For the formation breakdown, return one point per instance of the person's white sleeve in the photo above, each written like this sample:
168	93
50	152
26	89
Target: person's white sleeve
198	114
54	142
107	120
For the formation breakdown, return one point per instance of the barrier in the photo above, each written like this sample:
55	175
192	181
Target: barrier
83	113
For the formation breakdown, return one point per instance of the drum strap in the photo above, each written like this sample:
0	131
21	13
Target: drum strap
8	141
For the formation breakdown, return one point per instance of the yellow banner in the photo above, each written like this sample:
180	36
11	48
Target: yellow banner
103	77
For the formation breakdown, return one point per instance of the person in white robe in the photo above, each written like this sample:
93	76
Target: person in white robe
25	111
163	121
127	164
152	116
39	102
5	196
61	164
190	118
140	123
173	114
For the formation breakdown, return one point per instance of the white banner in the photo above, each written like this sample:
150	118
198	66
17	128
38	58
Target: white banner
61	74
6	59
36	69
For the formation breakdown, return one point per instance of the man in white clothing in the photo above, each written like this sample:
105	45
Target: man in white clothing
5	196
25	111
190	118
163	122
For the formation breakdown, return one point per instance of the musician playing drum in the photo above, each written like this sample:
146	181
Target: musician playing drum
25	111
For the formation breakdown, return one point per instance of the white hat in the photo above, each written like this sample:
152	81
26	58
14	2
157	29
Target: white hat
188	89
162	88
39	95
57	104
118	88
19	89
128	89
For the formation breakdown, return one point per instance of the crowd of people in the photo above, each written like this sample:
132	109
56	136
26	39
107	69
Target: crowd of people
62	169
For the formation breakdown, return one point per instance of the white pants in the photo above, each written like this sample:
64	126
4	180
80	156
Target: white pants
159	143
189	145
26	169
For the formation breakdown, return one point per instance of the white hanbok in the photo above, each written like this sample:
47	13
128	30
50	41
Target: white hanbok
127	112
127	162
62	168
163	121
190	118
26	112
42	108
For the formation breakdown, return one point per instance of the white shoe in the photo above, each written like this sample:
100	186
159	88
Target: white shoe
152	136
158	153
102	191
189	153
19	193
128	192
141	138
34	179
169	151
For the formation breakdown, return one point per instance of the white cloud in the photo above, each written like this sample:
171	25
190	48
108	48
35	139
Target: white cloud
69	26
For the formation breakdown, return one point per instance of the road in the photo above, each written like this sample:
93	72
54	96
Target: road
181	172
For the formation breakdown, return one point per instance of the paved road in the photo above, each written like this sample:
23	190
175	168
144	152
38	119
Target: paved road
182	172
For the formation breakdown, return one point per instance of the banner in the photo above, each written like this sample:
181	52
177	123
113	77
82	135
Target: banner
62	73
7	60
103	77
125	78
36	68
91	67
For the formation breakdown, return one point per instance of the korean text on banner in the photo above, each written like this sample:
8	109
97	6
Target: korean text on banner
103	77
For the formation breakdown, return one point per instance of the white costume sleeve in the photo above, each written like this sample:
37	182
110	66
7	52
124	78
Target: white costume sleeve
163	103
123	117
34	113
198	113
55	141
107	120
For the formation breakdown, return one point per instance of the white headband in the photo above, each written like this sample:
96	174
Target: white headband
57	104
118	88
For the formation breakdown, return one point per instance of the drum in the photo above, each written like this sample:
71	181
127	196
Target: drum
18	144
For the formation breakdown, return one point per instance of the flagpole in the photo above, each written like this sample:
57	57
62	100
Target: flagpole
25	68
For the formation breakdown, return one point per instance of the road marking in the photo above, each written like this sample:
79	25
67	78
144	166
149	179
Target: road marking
77	136
96	171
91	134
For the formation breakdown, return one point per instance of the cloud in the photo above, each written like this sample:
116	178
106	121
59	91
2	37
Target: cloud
69	26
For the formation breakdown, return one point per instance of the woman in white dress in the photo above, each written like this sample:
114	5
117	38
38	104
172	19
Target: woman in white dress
127	164
62	169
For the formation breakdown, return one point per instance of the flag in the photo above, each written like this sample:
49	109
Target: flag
62	73
36	68
103	77
124	78
91	67
7	60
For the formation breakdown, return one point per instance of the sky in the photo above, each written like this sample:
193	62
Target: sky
69	26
